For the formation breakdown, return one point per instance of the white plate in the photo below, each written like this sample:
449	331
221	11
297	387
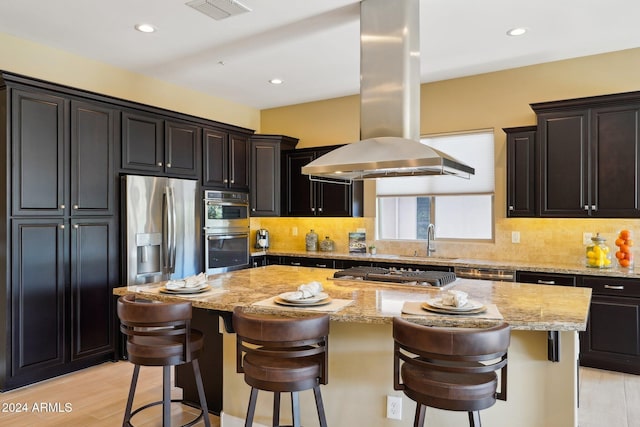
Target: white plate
179	285
185	291
292	298
469	306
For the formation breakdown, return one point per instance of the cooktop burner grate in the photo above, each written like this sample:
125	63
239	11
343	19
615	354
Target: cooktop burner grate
380	274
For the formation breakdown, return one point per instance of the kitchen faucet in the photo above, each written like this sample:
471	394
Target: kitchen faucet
430	239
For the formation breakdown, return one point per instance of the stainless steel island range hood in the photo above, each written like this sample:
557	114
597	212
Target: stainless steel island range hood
389	104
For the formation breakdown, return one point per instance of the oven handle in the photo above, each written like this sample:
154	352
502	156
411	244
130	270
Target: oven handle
226	236
215	202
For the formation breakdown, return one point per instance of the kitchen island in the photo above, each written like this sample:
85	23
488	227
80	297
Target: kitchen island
540	392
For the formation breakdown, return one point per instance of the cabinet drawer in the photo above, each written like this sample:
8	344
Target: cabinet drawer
545	278
612	286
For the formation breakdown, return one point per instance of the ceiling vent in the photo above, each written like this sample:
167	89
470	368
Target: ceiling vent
219	9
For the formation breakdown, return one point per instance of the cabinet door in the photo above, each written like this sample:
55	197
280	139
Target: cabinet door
39	154
142	143
94	274
215	154
564	167
37	296
182	142
615	146
239	154
612	338
521	172
92	139
265	178
300	191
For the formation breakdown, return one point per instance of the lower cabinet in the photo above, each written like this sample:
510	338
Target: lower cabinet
62	277
612	338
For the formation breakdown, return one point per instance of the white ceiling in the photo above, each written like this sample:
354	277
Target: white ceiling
313	45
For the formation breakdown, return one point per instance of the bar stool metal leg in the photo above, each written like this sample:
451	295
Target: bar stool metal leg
252	407
132	390
276	409
295	408
203	399
420	413
474	419
166	396
320	406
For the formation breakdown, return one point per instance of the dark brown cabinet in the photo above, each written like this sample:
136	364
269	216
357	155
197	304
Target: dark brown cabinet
612	338
589	153
521	187
303	197
60	259
226	160
266	153
166	147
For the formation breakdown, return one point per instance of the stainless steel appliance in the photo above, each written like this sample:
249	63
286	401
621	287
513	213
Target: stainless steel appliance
392	275
262	239
495	274
226	227
162	228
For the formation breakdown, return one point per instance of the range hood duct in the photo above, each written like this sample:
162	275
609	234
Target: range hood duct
389	104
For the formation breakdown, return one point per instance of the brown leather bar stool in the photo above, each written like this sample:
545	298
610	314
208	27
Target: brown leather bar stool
450	368
160	334
280	354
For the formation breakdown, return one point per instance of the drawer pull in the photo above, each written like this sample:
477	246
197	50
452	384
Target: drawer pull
321	265
546	282
297	264
615	287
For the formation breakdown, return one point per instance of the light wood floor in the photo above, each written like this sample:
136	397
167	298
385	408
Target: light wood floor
98	395
609	399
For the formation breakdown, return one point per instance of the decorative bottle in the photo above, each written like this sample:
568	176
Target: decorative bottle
598	253
311	240
326	245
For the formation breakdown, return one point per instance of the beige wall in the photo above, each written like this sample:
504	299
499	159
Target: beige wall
493	100
38	61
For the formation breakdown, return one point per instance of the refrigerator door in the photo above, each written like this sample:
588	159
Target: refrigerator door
162	229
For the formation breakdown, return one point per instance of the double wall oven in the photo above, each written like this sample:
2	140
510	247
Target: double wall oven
226	228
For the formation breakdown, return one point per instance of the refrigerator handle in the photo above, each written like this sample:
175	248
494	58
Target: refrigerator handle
171	230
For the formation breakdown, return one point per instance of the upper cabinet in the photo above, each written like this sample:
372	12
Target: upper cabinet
226	160
589	154
167	147
303	197
521	197
265	156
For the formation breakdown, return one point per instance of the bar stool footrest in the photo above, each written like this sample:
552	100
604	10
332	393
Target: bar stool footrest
159	402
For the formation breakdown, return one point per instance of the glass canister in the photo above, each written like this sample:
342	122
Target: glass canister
598	253
624	255
326	245
311	240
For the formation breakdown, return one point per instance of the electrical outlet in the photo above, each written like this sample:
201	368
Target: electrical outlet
515	237
394	407
294	231
586	238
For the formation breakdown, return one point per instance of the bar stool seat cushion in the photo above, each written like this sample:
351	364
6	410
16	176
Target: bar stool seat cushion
282	374
163	350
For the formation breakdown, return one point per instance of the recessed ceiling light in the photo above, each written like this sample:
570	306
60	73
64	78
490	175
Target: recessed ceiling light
517	31
276	81
145	28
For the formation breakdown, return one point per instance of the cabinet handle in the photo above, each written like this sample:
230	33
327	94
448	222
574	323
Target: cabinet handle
253	209
62	206
75	226
168	165
225	181
319	209
61	226
594	207
75	207
511	208
313	209
546	282
233	181
159	163
321	265
615	287
297	264
586	207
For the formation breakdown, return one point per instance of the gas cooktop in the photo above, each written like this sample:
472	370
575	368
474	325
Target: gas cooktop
380	274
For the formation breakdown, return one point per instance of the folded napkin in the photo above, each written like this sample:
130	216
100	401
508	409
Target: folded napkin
187	282
454	298
307	290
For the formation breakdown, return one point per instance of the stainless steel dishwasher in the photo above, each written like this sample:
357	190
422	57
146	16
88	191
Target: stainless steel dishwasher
496	274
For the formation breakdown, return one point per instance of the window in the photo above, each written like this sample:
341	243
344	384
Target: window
459	208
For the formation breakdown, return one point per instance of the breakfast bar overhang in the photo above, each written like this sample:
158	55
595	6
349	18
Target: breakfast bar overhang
541	393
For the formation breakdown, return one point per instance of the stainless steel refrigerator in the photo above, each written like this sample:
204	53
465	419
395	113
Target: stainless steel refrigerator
162	224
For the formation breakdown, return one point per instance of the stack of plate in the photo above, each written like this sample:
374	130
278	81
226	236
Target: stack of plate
436	306
292	299
178	287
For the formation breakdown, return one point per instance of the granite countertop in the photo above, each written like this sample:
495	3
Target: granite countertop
523	306
559	267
